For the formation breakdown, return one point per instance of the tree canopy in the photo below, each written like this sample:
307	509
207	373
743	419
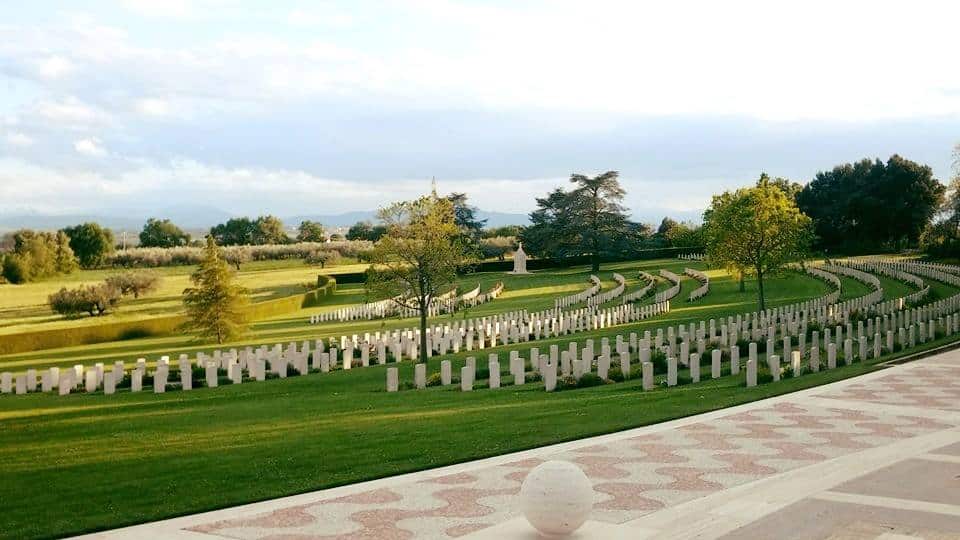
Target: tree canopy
756	231
162	233
244	231
588	220
37	255
418	257
91	243
311	231
215	304
870	204
364	230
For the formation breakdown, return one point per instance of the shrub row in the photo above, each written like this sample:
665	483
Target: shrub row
187	255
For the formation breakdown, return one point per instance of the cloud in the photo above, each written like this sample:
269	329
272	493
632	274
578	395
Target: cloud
54	67
92	147
16	138
152	107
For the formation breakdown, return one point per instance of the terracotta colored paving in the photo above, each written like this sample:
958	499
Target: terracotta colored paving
932	386
632	476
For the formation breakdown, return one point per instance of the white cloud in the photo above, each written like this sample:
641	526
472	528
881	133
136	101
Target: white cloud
68	112
16	138
54	67
92	147
152	107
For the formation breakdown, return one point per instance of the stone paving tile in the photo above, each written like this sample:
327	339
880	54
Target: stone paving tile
932	386
631	476
814	519
915	479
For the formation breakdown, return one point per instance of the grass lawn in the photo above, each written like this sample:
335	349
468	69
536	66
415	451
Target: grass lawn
24	307
85	462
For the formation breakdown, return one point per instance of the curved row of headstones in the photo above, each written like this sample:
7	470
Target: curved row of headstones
881	334
582	296
380	347
476	333
893	271
445	303
704	287
607	296
691	257
674	289
642	292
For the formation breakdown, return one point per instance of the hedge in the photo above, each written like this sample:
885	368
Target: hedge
156	326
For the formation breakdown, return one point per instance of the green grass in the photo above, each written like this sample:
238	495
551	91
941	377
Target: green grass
85	462
24	307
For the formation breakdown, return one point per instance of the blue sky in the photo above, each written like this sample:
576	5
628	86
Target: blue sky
326	107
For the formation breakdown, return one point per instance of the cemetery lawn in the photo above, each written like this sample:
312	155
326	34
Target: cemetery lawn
86	462
83	462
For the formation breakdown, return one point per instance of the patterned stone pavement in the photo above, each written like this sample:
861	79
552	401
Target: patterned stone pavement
638	476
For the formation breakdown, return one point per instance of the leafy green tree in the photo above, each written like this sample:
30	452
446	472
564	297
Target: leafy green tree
465	217
163	234
311	231
505	231
235	232
419	256
601	217
93	299
37	255
756	231
551	233
216	306
134	282
269	230
871	204
364	230
942	239
65	260
91	243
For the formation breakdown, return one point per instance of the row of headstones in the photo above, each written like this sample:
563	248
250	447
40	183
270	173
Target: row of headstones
642	292
691	257
607	296
704	287
830	279
892	271
582	296
571	365
793	327
674	289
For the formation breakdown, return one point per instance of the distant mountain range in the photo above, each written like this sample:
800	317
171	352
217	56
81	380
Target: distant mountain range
199	218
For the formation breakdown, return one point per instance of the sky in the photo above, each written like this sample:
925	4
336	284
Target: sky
314	107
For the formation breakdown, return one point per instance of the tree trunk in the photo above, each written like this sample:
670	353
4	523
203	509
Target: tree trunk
423	331
760	289
595	263
743	284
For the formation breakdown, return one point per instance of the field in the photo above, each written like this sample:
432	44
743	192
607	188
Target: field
24	307
86	462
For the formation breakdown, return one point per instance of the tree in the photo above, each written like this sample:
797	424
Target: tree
418	257
870	204
551	233
364	230
311	231
600	215
756	231
237	255
93	299
216	306
269	230
37	255
235	232
942	239
323	257
135	283
162	234
91	243
465	217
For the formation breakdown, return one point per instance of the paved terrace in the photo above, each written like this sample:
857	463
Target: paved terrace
875	457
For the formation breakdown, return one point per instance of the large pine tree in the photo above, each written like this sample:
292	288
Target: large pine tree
216	306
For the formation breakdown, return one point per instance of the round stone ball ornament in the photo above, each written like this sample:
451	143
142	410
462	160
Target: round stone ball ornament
556	498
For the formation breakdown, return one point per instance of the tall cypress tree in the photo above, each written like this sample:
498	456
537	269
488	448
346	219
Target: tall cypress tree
216	306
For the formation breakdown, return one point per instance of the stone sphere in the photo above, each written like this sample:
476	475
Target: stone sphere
556	498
